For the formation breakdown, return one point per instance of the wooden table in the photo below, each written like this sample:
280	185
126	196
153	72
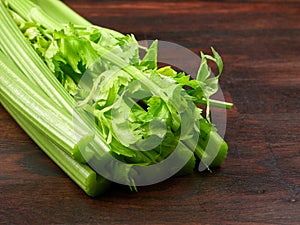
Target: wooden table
260	180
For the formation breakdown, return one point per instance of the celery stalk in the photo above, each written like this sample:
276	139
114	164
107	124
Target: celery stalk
46	124
62	13
31	11
35	105
35	69
28	61
81	174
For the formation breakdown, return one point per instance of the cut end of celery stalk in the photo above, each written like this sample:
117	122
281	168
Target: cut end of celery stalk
188	168
205	151
96	185
221	156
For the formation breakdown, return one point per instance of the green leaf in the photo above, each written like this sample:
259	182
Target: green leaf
219	61
204	71
211	86
167	71
150	59
70	85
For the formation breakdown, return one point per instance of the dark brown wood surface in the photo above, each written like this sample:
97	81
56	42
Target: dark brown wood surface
260	180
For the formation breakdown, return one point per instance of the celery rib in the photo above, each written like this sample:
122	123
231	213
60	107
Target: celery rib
33	12
35	69
81	174
41	122
36	106
28	60
60	12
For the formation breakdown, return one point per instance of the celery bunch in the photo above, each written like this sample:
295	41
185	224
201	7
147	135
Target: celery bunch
123	105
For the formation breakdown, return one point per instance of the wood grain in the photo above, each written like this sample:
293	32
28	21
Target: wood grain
260	180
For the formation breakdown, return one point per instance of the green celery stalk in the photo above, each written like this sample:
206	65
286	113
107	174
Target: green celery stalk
217	103
30	11
40	109
58	10
28	61
215	147
35	69
91	183
56	13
